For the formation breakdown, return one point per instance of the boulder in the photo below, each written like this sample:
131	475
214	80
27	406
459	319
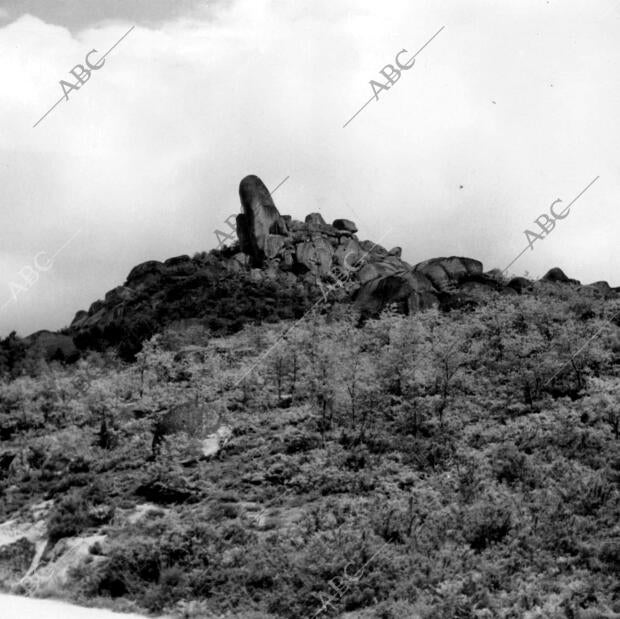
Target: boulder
273	245
95	307
345	224
370	272
373	248
259	219
419	282
298	226
380	292
496	275
519	284
446	273
118	295
557	276
79	319
478	289
350	255
603	289
180	265
176	260
315	256
213	443
144	273
602	286
197	420
315	219
410	290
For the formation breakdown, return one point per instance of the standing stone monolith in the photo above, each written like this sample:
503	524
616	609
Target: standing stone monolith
259	220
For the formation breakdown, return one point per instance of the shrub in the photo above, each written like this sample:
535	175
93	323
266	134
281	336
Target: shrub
68	518
486	522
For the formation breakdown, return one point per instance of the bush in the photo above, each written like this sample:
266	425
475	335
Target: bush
485	523
68	518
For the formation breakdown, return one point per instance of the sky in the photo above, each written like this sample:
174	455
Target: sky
510	107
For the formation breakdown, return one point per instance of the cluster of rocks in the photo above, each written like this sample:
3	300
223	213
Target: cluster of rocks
300	255
376	276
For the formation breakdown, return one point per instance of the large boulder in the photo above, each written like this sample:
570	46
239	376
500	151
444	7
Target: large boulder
519	284
80	318
381	291
350	255
273	245
409	291
557	276
603	289
345	224
315	219
447	273
197	420
118	295
315	256
180	265
446	282
144	275
373	248
259	219
376	268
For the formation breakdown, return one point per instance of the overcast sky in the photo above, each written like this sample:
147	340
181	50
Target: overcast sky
510	107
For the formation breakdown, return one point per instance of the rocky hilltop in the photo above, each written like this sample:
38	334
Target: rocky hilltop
277	269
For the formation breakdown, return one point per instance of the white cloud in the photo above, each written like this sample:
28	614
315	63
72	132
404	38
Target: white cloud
146	157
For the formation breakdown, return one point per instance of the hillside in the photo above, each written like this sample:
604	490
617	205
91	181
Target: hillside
302	424
458	463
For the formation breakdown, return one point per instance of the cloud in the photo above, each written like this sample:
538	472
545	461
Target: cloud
146	157
77	16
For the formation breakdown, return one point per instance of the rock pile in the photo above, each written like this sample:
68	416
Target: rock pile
278	268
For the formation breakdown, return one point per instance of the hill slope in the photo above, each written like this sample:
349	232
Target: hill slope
433	465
